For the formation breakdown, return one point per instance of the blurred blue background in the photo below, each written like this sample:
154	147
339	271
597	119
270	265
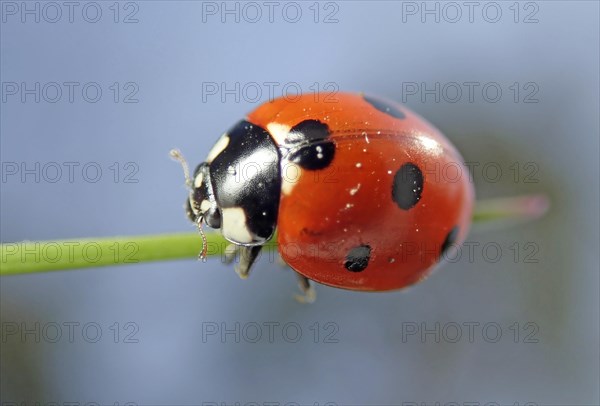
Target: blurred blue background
543	56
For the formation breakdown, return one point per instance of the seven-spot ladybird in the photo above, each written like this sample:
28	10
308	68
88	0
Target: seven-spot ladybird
357	187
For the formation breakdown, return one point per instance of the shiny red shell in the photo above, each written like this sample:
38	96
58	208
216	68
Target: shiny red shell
342	225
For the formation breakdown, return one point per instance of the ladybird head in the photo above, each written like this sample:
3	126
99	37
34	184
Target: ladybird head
201	203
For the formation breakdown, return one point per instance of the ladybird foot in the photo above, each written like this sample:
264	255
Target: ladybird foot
309	293
308	297
247	257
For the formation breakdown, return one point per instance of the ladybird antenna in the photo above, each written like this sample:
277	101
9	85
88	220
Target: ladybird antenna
178	156
202	255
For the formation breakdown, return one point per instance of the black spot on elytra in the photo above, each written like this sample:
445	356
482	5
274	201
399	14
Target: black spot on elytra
407	186
314	156
449	240
306	132
385	107
357	258
310	148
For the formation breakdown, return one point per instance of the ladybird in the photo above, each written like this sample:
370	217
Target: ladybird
355	187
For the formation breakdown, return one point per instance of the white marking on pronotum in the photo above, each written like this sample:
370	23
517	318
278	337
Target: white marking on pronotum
235	227
279	132
220	145
198	180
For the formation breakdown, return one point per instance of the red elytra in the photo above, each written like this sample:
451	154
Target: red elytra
393	197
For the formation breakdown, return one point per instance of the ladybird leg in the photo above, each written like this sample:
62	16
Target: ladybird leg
309	294
230	252
247	257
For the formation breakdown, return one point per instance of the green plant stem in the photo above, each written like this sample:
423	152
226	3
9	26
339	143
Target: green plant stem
42	256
